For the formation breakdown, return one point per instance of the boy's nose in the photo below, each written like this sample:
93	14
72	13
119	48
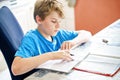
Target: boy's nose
58	25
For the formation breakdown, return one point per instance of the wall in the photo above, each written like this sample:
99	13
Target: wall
69	21
23	11
94	15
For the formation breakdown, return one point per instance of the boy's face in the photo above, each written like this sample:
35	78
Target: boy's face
50	26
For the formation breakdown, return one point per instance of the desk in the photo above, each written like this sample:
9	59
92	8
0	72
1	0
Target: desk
110	33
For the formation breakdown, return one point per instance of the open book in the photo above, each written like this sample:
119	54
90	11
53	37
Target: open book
102	60
63	66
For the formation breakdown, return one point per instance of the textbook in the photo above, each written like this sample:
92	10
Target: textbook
102	60
63	66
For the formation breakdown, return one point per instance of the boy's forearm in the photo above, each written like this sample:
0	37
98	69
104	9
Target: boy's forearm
83	36
23	65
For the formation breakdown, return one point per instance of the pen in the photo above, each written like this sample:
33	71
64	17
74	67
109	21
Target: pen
72	54
76	46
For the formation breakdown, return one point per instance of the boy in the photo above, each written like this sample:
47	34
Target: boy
43	43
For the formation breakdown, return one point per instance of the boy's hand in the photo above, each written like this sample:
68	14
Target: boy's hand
67	45
62	54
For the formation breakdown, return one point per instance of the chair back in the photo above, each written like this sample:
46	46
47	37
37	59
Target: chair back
11	35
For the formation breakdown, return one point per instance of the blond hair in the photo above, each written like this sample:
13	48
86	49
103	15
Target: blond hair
44	7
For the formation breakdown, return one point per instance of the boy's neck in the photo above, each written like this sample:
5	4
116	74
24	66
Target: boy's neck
49	38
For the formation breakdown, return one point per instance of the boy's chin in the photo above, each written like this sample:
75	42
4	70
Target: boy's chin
54	34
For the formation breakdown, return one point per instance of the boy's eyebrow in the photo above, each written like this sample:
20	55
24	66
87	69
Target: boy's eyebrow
54	18
59	20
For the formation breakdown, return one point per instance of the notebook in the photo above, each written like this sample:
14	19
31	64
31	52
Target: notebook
102	60
64	66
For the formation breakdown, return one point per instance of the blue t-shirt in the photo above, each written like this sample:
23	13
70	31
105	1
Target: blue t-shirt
34	43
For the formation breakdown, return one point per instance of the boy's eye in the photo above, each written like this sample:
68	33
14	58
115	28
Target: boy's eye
54	21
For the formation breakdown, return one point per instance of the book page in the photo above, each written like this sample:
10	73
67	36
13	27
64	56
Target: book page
102	59
100	65
106	50
63	66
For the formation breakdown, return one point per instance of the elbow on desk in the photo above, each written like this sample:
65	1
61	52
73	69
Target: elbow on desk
87	35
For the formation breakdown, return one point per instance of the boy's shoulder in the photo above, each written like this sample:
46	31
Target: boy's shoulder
63	31
31	34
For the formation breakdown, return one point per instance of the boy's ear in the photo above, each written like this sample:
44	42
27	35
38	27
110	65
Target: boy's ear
38	19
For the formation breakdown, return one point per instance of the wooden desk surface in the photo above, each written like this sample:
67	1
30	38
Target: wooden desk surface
110	33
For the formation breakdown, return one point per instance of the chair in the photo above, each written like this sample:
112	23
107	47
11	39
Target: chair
10	38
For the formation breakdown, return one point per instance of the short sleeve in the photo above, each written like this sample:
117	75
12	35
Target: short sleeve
27	48
67	35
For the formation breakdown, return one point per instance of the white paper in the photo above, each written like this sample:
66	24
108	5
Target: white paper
63	66
106	50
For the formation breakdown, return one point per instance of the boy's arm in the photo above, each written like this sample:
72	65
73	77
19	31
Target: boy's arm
23	65
83	36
